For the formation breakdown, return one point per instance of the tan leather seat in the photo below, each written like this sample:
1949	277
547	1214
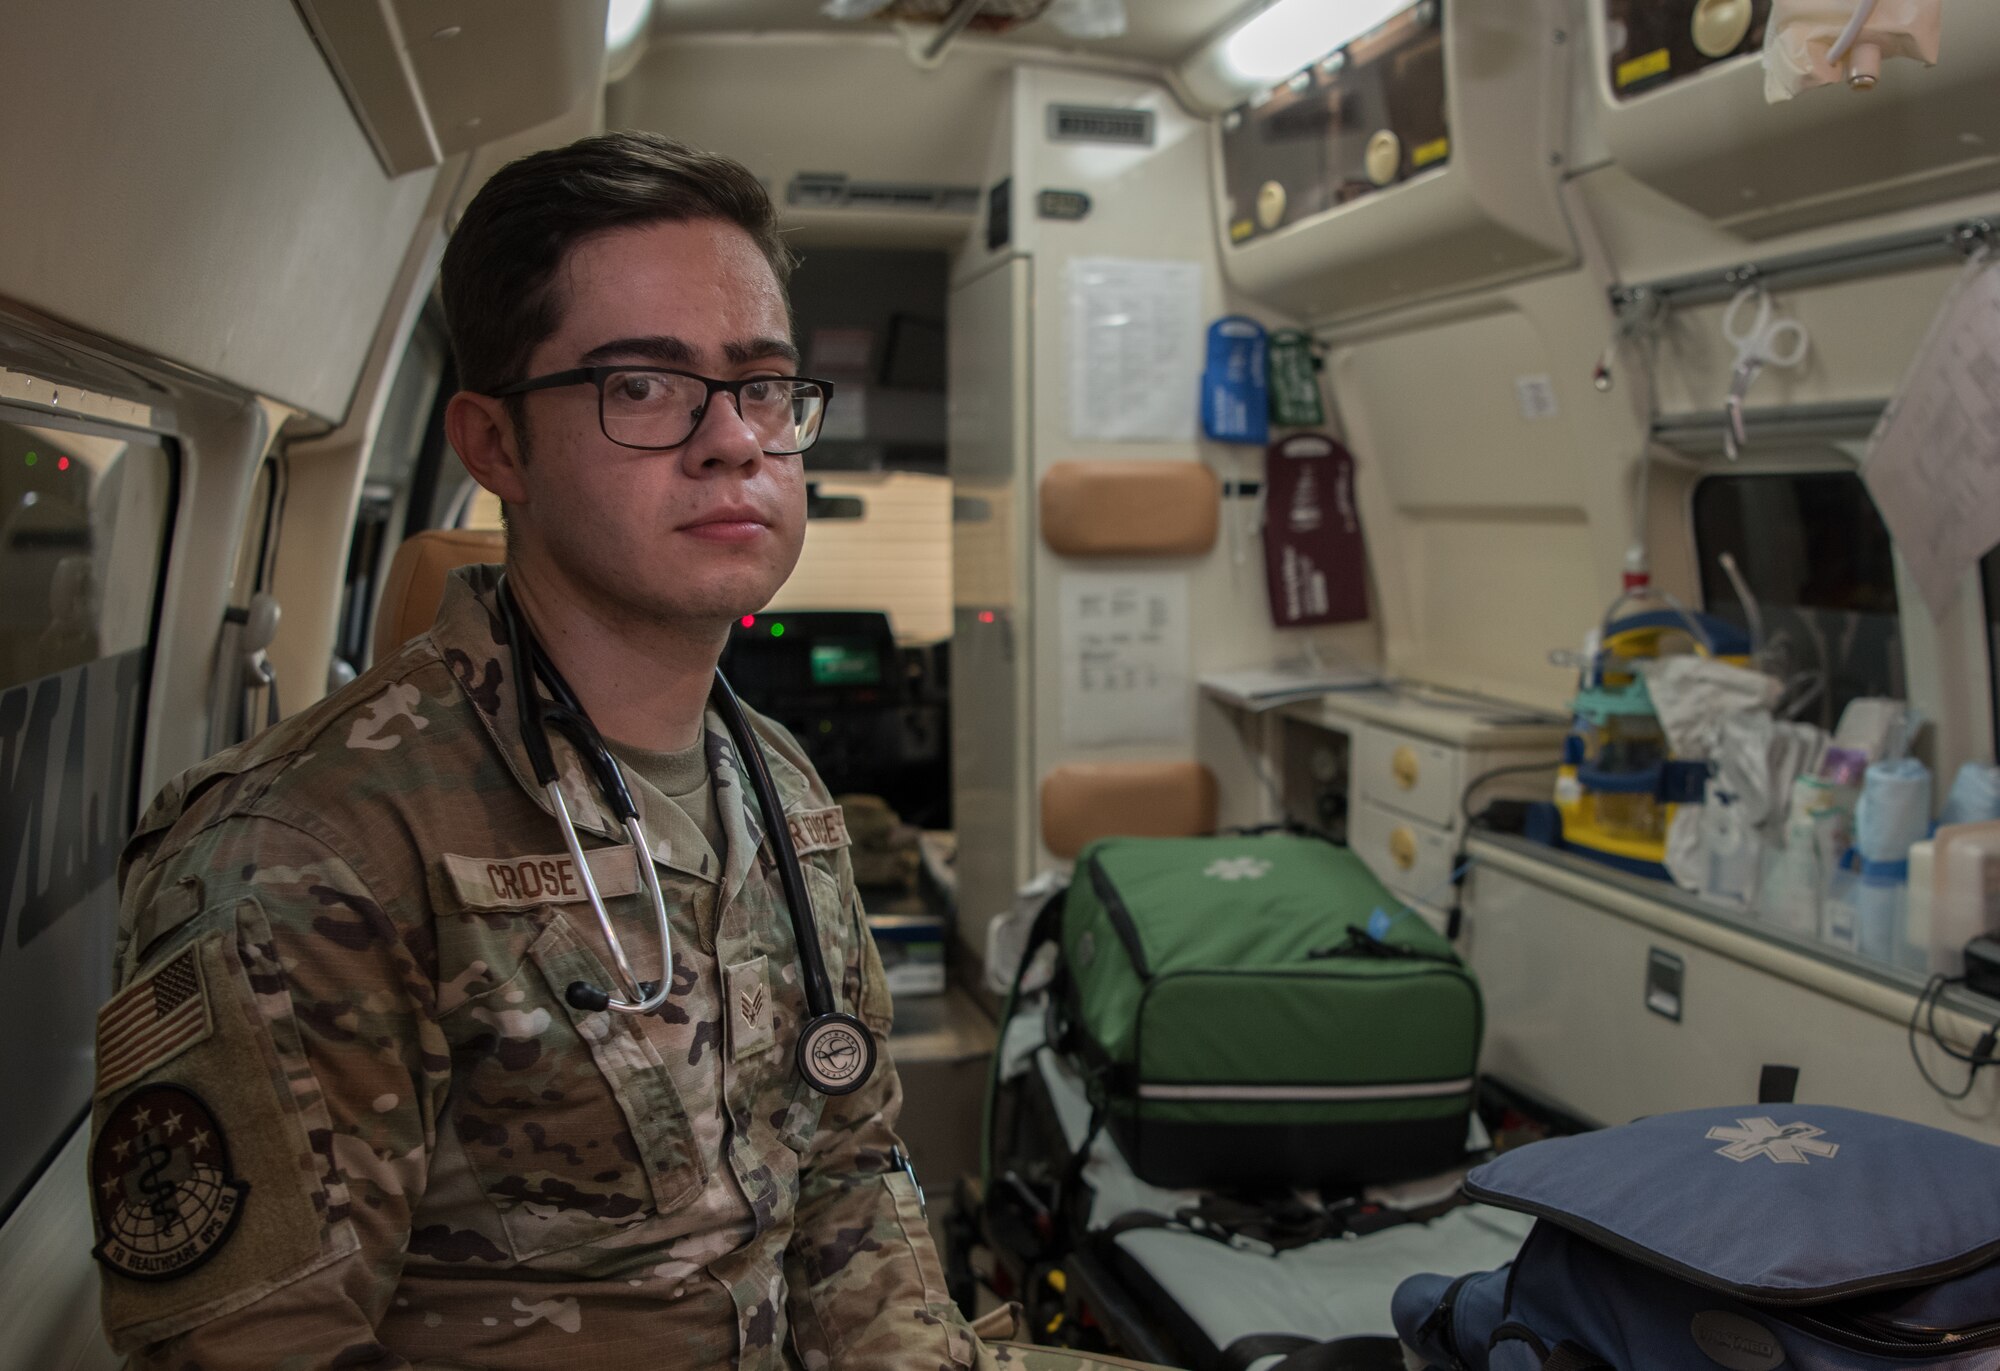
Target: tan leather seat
1085	801
417	575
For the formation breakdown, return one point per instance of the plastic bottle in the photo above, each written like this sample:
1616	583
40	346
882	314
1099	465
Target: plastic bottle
1894	814
1965	900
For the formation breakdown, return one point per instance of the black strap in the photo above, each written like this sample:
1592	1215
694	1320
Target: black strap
1306	1354
1279	1225
1048	920
1361	943
1071	1183
1777	1084
1573	1356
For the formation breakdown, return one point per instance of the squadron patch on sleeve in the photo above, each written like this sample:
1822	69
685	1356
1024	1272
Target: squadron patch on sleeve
161	1183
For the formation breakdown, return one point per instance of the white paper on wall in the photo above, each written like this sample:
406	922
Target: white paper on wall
1125	658
1135	339
1933	464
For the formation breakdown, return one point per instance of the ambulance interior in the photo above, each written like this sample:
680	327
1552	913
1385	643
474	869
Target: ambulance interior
1494	262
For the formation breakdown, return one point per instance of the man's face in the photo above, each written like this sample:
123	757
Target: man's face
699	534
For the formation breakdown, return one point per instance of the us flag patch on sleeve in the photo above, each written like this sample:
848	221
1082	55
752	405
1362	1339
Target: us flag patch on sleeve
152	1021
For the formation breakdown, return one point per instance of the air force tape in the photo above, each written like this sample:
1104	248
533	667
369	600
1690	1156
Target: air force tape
836	1054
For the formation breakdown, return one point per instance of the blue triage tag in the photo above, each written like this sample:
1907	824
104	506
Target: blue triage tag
1378	924
1235	398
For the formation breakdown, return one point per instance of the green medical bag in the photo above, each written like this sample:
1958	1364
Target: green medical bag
1258	1011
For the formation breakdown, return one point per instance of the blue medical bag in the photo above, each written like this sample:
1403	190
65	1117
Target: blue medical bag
1750	1238
1235	393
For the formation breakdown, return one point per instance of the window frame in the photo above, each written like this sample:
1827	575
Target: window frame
169	444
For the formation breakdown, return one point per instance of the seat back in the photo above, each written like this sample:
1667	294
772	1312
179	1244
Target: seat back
417	575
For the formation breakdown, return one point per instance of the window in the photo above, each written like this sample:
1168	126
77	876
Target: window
84	518
1816	558
390	483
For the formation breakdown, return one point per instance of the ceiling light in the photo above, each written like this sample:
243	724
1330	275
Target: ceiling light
624	21
1291	34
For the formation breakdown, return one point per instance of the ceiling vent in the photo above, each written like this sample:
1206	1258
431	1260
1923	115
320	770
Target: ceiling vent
1100	124
832	190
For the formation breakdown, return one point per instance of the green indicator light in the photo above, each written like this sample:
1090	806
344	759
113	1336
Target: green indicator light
777	630
31	459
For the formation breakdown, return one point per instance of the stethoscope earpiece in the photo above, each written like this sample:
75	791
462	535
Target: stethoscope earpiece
593	999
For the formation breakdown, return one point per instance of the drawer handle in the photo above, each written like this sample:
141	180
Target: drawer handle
1403	766
1403	848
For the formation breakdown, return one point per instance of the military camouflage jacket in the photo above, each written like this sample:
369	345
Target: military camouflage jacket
346	1118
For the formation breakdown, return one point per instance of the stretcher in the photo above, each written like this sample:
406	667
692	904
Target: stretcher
1164	1285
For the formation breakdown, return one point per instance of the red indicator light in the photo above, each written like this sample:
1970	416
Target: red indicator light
62	464
985	616
749	621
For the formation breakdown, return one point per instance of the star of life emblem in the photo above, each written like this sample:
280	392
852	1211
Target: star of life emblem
1792	1144
1237	869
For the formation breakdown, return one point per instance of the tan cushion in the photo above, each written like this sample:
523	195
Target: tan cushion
1130	508
417	575
1085	801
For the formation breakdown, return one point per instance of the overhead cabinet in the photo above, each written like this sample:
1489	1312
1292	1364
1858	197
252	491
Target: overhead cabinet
1680	102
1419	160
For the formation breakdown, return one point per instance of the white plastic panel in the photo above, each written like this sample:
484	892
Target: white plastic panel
428	78
50	1303
1447	418
187	179
1712	143
1566	1021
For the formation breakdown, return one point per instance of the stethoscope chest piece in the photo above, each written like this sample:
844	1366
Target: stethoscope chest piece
836	1053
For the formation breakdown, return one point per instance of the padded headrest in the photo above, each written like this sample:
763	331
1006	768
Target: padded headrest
417	575
1085	801
1130	508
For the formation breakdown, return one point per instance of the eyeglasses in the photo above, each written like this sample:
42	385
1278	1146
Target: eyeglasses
657	408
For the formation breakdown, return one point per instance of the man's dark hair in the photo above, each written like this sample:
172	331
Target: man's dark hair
499	271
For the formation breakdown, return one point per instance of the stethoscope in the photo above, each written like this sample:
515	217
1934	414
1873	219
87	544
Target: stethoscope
836	1053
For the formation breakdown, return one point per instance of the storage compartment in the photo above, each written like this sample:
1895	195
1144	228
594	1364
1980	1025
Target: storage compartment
1697	128
1411	775
1368	117
1412	859
1649	44
1417	161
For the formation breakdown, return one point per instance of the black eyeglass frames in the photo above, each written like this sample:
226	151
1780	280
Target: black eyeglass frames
658	408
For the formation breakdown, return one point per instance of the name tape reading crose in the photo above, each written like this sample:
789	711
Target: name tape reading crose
516	882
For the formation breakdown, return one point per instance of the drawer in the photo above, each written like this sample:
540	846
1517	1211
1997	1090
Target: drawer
1412	859
1408	774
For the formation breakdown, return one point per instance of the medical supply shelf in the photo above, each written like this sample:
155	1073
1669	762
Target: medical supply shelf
1562	946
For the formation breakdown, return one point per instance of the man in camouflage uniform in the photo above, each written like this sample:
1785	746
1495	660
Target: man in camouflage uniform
346	1115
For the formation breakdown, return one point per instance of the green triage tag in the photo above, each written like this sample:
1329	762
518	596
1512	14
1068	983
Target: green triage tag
1294	381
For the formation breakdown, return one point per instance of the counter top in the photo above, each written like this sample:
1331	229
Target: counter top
1446	716
940	1028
